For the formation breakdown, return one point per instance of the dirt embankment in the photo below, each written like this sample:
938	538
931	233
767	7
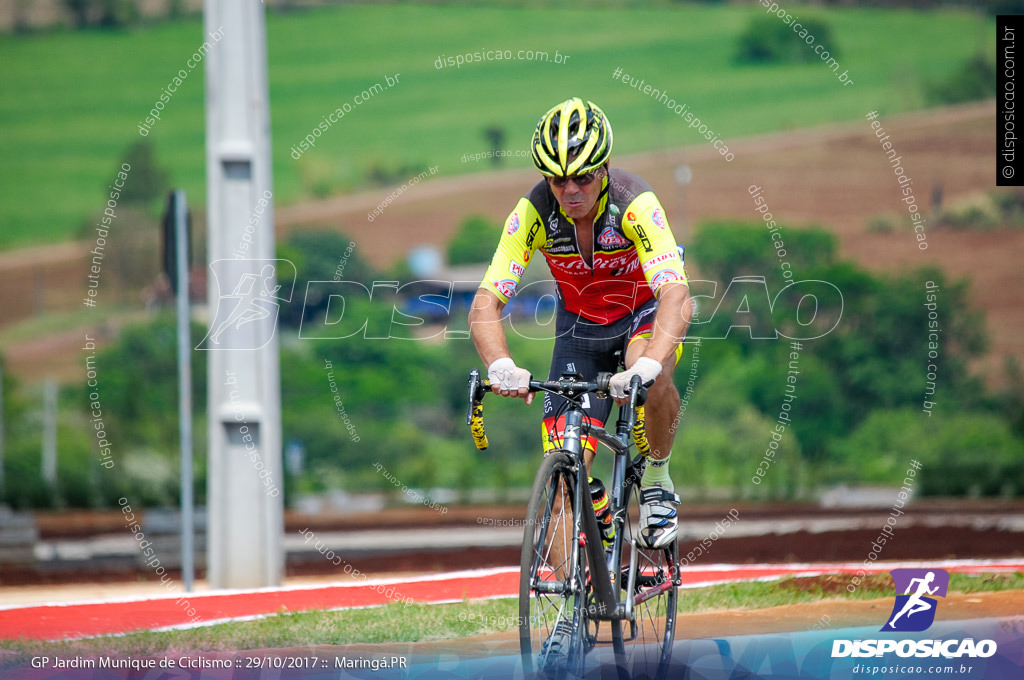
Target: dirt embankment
836	176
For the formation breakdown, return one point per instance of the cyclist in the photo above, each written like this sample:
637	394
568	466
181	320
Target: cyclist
622	291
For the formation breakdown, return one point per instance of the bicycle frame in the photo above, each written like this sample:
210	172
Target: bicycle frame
625	473
608	606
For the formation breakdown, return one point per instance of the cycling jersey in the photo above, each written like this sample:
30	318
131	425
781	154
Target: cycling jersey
634	255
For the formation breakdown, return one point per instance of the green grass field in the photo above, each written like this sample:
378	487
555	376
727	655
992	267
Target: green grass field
397	623
72	102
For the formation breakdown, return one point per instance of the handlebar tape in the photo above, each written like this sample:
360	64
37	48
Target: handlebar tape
476	427
643	447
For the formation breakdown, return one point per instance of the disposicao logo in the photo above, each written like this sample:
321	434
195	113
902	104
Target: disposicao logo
248	314
914	611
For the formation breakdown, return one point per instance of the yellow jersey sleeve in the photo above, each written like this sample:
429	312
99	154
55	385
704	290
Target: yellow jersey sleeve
521	236
646	226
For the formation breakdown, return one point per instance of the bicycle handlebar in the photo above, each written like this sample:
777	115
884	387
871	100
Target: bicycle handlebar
475	414
568	386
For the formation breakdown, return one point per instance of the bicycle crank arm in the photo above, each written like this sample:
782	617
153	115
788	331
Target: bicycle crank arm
631	591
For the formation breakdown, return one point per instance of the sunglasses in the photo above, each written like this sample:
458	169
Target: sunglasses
581	180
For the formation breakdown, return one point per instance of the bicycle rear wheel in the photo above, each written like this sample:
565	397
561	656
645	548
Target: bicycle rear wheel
643	646
552	623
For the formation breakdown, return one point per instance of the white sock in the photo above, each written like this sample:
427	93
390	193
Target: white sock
656	472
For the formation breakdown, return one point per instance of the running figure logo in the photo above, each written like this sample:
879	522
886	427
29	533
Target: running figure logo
255	295
914	611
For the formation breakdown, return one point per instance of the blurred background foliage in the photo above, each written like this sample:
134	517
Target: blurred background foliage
857	417
858	413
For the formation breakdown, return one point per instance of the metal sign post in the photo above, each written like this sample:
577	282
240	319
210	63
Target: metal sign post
176	242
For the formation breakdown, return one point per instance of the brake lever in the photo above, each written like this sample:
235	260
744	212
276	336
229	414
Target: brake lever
475	414
475	394
638	391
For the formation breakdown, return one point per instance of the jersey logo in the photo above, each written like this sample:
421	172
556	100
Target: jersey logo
631	216
568	264
626	260
665	276
513	224
658	218
516	269
562	244
534	228
660	259
506	287
609	238
644	241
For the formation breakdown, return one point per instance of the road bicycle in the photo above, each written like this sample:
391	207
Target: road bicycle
571	584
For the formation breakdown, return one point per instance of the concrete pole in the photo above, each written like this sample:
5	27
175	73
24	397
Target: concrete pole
246	525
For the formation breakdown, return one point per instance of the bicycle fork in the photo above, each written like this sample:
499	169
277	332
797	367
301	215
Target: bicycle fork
606	604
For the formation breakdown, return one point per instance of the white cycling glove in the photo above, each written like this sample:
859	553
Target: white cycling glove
648	369
509	377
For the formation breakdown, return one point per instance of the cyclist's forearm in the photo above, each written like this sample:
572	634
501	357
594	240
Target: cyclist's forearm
675	309
486	329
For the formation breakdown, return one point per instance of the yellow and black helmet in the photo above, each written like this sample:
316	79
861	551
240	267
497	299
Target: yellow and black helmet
573	138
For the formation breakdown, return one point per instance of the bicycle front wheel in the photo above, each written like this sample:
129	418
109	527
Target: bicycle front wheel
552	624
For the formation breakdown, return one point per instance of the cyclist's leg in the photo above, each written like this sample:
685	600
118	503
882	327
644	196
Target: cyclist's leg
658	501
662	402
663	398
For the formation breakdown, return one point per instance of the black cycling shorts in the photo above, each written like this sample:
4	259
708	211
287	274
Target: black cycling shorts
588	348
